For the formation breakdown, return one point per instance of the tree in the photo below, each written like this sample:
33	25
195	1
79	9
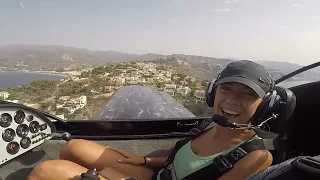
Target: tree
99	70
85	74
160	67
204	83
191	93
12	96
60	70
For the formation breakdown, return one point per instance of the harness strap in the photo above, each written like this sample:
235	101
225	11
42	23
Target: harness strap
195	132
224	163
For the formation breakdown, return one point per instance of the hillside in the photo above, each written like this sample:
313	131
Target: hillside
51	57
287	67
54	57
204	71
83	96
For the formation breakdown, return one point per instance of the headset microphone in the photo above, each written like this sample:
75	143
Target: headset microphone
224	122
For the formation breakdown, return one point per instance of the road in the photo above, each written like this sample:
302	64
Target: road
53	94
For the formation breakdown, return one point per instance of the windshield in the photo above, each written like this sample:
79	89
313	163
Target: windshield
71	58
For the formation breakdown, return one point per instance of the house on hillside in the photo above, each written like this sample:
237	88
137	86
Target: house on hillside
184	90
4	94
171	86
199	94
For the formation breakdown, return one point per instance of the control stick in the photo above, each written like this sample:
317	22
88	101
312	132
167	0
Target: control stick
65	136
90	175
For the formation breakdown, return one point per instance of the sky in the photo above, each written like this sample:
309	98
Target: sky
277	30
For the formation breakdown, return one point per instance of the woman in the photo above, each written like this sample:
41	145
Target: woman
238	91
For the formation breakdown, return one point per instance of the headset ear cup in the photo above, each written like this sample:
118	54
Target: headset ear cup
209	95
264	108
211	92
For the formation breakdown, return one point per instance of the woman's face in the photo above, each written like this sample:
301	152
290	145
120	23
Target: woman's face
236	101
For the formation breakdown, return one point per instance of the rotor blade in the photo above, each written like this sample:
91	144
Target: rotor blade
305	68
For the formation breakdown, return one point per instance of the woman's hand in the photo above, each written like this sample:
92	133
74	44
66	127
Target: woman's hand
130	157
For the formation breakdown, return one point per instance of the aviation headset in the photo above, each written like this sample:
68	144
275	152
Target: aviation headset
271	101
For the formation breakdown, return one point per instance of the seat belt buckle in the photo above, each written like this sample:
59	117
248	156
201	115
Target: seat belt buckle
222	163
238	154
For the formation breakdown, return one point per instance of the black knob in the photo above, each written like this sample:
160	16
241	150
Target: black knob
66	136
90	175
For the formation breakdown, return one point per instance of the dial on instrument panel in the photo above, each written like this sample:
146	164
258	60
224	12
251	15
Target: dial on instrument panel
8	134
19	116
13	147
22	130
25	142
5	120
34	126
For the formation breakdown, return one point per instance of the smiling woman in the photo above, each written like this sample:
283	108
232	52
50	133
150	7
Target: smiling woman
239	91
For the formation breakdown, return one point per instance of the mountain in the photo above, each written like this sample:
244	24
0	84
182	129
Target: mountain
35	57
54	57
286	67
195	66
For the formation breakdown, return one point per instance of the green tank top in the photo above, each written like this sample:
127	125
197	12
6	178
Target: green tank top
186	162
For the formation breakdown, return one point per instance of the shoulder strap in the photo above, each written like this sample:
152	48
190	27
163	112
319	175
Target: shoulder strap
194	132
224	163
201	128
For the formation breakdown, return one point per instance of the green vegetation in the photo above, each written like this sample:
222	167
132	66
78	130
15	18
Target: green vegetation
95	84
37	90
98	70
73	88
179	96
85	74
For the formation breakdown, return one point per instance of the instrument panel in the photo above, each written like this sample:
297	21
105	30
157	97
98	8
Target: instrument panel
21	130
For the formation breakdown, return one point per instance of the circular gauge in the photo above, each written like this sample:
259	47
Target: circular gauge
22	130
25	142
34	127
8	134
5	120
13	147
19	116
43	127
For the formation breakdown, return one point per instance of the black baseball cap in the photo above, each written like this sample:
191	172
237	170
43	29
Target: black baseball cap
248	73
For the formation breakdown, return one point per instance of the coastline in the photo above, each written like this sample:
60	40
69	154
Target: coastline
40	72
19	78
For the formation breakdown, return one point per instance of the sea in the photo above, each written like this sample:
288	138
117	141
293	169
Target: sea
15	79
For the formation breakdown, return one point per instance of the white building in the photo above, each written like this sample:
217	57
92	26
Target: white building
171	86
4	94
184	90
199	94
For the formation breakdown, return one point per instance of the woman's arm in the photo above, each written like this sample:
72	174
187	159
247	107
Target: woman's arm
155	162
249	165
